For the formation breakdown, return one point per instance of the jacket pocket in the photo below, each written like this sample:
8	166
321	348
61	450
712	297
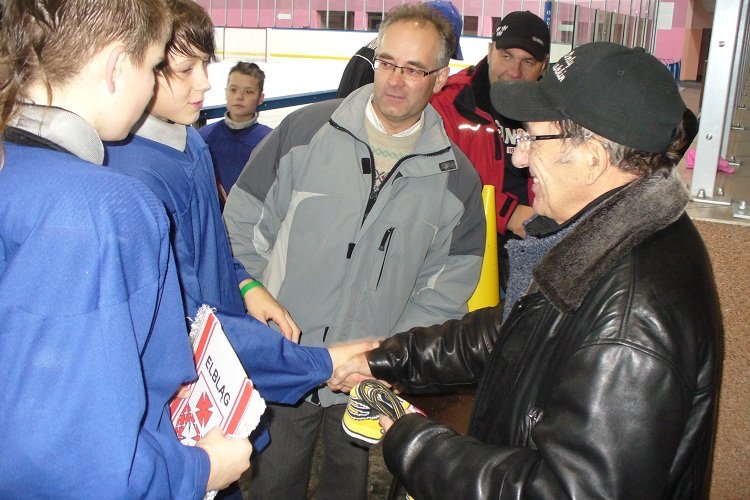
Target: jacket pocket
385	244
388	260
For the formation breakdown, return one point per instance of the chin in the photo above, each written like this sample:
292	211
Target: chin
113	135
187	119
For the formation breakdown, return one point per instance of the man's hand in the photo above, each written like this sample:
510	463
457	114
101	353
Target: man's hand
341	353
521	214
261	305
348	372
229	458
385	423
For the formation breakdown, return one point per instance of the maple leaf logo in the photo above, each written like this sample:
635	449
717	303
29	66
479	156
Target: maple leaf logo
186	426
204	409
182	421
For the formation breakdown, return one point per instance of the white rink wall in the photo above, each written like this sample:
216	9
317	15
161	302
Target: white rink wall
297	61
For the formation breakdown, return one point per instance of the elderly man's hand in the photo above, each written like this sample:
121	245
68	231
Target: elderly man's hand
350	372
385	423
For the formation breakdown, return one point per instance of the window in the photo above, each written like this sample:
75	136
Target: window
336	19
373	20
495	23
566	33
471	25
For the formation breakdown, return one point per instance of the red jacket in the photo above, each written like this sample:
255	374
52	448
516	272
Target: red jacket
488	146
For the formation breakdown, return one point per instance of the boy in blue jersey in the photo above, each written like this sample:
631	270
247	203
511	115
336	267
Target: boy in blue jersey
171	158
93	344
232	139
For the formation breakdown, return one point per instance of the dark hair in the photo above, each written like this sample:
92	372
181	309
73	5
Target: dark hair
631	160
250	69
48	42
192	32
423	15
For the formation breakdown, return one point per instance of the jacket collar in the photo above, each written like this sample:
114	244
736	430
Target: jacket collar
375	121
235	125
609	232
350	115
474	81
473	101
62	128
480	85
170	134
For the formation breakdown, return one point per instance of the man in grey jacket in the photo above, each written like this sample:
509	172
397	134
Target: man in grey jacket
363	219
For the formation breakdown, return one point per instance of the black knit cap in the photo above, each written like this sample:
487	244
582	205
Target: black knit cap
622	94
523	30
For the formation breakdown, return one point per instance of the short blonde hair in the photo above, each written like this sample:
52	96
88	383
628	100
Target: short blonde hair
50	41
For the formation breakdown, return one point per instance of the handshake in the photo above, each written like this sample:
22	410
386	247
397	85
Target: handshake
350	365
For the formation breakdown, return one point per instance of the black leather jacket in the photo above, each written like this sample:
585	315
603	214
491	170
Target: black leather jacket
603	381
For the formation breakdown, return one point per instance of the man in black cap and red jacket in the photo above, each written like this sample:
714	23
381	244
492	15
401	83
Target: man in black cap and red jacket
519	50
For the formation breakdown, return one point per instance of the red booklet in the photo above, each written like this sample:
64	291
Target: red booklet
222	395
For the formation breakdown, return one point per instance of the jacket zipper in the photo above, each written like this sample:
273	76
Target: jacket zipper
533	417
385	244
498	144
375	192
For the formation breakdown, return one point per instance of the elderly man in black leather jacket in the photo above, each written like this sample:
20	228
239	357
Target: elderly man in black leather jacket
602	378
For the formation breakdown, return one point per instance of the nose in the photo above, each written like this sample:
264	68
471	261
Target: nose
520	158
514	71
202	82
396	77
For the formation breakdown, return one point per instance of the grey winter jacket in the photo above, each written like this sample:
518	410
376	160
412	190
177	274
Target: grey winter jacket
301	219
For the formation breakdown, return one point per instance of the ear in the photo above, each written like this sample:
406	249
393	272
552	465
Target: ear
442	77
115	60
545	66
261	98
490	46
598	162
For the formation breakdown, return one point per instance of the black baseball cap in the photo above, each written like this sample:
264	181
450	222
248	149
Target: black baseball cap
523	30
622	94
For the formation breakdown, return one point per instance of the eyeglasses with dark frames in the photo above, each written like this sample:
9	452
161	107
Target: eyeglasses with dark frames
524	139
406	72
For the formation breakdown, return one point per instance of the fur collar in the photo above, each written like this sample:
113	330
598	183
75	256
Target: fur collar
609	232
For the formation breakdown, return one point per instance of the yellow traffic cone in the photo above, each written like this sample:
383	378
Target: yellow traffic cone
487	293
